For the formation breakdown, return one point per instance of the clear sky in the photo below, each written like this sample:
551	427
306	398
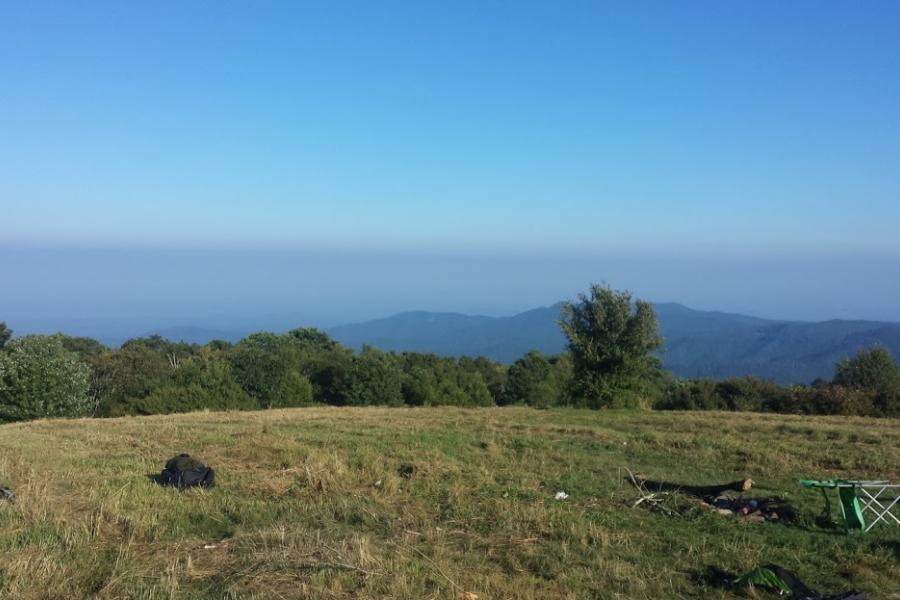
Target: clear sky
752	142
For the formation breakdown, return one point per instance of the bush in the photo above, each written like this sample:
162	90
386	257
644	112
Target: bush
474	390
127	375
494	375
294	390
376	379
39	378
840	400
267	367
888	403
420	387
538	380
200	382
331	374
749	394
873	369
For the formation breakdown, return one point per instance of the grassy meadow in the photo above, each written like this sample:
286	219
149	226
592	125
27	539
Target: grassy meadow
309	504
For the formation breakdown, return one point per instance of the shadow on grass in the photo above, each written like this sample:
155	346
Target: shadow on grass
158	479
888	546
697	491
713	577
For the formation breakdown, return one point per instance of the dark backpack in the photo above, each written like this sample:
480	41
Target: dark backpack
183	471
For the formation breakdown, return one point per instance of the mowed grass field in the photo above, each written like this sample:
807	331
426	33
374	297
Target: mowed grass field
309	504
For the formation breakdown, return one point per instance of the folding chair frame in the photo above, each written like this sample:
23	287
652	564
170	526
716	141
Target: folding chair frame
873	503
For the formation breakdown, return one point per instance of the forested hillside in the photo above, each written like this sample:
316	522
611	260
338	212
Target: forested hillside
696	343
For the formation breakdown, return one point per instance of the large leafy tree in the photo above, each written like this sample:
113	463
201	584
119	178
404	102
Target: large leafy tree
612	341
39	378
872	370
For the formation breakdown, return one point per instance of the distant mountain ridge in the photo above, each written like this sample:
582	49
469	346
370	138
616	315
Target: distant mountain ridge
697	343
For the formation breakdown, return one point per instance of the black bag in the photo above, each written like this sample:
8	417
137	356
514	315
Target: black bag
184	471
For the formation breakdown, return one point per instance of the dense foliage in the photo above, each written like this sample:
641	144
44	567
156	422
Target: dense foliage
857	389
40	378
44	376
873	369
611	363
611	341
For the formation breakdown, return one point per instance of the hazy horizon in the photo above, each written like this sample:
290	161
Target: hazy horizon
138	289
320	164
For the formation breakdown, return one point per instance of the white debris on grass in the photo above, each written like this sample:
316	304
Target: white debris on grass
561	495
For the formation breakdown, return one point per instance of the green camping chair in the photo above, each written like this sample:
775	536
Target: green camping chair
852	510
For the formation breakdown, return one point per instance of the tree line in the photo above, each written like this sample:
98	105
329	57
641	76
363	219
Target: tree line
611	361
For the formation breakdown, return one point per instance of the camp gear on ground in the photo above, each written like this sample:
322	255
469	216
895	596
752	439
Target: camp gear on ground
769	508
184	471
721	497
858	498
7	495
782	581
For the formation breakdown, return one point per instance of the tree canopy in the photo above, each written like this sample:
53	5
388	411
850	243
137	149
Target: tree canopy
611	341
39	378
873	369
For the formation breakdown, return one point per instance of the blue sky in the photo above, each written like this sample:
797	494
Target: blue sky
739	140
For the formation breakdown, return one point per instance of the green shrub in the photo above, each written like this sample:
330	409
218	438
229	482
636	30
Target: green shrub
840	400
494	375
749	394
295	390
873	369
331	374
376	379
419	387
203	381
122	377
475	391
266	367
538	380
39	378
